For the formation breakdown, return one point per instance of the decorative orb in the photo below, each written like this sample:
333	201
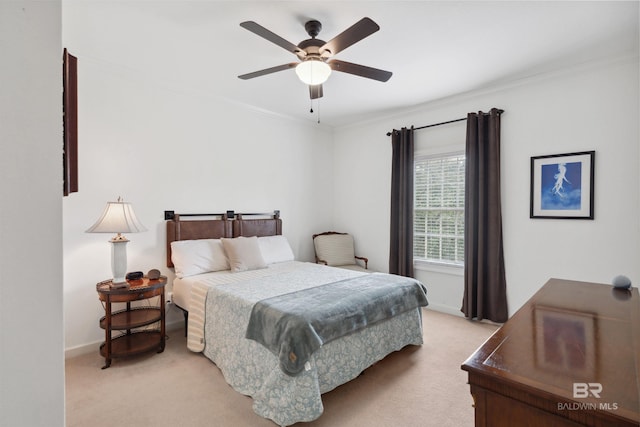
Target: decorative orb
621	282
153	274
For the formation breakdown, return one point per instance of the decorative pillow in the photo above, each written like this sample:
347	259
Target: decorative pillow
335	249
191	257
275	249
243	253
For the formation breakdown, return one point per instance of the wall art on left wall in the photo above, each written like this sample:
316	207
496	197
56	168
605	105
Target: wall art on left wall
69	123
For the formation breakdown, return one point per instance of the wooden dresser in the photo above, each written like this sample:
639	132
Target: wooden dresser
569	357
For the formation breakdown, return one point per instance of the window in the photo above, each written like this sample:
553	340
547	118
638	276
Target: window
438	227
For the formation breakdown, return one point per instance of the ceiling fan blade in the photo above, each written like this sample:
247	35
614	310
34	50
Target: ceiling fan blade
315	91
360	70
361	29
272	37
268	71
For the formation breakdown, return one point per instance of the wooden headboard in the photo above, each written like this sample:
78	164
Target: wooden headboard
228	225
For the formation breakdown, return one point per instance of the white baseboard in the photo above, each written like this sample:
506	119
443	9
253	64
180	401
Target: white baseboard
455	312
95	346
445	309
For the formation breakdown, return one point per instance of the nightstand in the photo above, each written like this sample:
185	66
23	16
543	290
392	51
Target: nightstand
138	333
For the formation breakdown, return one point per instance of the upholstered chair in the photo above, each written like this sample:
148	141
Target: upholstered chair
337	250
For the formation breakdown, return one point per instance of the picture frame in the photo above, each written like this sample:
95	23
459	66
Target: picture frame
69	123
562	186
565	341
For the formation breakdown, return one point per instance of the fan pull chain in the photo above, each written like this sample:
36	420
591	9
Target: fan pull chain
317	108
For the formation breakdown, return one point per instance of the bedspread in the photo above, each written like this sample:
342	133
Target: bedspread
253	370
294	325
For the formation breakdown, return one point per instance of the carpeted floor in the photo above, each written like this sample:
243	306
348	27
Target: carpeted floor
418	386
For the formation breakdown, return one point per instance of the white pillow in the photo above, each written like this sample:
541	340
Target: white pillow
191	257
243	253
275	249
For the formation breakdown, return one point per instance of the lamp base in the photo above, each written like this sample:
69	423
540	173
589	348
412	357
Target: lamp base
119	261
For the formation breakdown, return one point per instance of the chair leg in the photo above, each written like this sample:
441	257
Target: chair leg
186	321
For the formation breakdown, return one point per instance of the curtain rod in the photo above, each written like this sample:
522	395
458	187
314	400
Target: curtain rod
435	124
498	110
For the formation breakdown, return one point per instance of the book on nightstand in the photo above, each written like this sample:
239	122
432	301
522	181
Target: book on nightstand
119	285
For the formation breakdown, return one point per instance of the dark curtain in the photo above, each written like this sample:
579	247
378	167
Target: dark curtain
401	246
485	294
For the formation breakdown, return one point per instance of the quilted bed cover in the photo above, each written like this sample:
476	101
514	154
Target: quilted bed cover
218	323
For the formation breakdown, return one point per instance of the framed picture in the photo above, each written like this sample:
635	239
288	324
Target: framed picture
562	186
565	341
69	123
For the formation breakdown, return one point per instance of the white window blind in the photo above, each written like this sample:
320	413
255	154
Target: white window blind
438	226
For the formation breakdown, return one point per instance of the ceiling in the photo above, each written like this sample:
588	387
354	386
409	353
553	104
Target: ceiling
434	49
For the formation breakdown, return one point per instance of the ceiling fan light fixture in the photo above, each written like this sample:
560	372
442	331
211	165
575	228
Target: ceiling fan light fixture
313	71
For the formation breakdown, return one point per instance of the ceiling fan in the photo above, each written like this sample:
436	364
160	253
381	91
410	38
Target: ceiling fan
315	63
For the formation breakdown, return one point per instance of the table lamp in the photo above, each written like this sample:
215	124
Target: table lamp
118	217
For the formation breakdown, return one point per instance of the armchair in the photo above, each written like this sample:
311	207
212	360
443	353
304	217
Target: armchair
337	250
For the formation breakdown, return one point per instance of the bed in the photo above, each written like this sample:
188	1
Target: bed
231	303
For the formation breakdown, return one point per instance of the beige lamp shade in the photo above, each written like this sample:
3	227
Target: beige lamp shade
118	217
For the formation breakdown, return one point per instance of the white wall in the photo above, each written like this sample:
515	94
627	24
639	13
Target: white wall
31	315
594	107
163	149
162	146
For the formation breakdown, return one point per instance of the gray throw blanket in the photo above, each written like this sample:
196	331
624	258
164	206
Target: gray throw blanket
292	326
